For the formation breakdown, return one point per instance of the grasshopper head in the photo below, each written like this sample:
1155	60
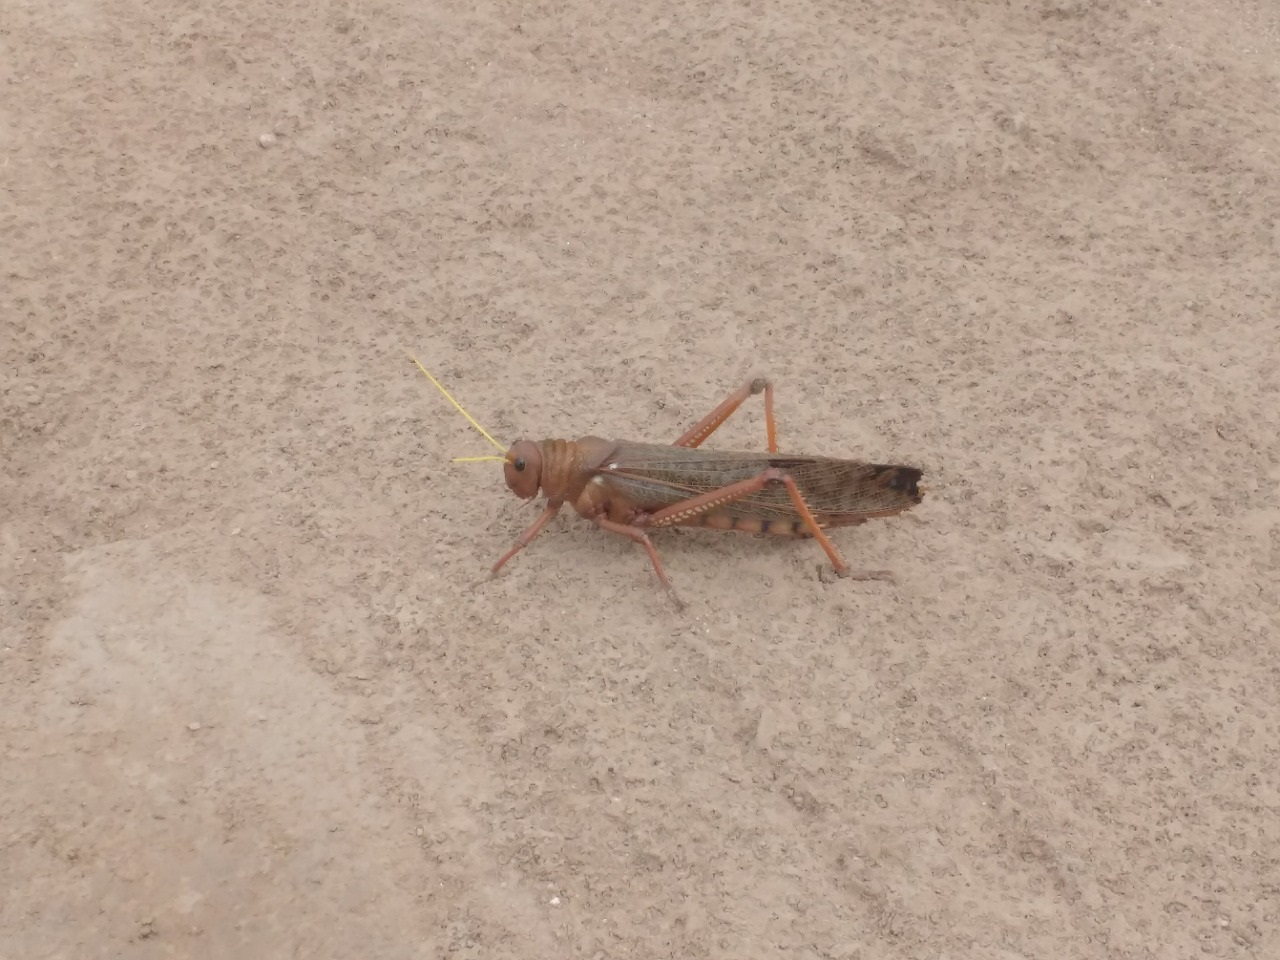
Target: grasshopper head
523	469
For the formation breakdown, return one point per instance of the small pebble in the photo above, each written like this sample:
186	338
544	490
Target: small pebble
267	140
193	726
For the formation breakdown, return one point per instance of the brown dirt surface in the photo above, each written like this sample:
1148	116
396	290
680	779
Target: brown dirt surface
257	696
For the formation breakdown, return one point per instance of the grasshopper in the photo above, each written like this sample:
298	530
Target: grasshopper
630	488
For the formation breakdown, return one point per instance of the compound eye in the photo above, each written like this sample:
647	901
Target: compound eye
519	464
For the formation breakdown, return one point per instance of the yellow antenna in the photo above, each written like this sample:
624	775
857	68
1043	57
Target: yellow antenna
458	406
476	459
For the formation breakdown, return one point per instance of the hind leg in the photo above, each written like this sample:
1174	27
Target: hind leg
685	510
696	435
838	564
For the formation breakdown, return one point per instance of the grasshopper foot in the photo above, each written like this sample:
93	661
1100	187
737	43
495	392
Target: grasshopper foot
829	574
676	599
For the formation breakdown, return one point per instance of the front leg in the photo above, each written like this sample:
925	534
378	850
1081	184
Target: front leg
527	537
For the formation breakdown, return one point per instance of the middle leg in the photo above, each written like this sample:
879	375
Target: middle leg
637	535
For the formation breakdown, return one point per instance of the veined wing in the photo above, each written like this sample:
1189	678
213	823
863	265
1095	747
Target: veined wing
654	476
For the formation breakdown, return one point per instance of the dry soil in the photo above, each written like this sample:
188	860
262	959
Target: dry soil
257	698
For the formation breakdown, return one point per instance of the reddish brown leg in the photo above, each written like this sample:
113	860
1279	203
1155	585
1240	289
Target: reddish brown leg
526	538
687	509
842	569
640	537
698	433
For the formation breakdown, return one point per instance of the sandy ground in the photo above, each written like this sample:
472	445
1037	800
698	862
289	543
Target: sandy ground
256	695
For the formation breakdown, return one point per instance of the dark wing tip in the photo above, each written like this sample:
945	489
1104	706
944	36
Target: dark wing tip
903	479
